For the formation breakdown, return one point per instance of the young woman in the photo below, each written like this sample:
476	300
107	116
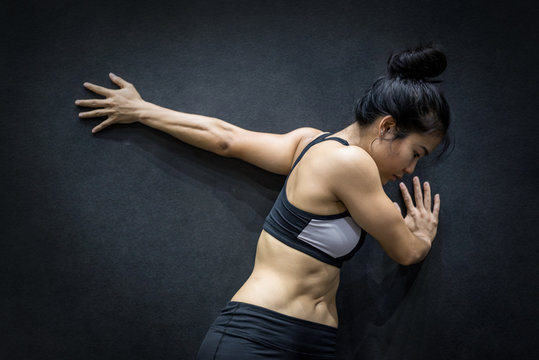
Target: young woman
332	195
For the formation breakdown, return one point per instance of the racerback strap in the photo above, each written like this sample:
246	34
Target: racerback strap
319	139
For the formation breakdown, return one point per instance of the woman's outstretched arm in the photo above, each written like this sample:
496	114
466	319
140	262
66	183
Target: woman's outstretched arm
272	152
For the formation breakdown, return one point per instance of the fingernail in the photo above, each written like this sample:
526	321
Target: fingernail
112	74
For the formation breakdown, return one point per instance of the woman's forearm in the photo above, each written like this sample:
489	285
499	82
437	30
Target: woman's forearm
204	132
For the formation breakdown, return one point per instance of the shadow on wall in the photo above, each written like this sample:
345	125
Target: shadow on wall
373	289
252	186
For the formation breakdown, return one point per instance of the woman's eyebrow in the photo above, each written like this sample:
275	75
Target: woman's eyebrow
426	151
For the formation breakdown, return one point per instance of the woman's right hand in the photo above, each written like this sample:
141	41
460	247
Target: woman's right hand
119	106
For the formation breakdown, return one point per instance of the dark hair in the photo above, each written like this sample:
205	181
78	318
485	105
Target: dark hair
409	94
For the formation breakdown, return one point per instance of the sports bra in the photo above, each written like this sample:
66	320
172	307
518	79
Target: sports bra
328	238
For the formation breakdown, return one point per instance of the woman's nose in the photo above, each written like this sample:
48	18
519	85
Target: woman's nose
410	169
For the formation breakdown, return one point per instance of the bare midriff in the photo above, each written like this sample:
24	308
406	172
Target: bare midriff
290	282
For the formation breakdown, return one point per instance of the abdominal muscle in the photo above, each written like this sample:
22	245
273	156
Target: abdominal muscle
292	283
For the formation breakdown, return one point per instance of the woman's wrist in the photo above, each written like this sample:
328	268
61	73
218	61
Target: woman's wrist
146	112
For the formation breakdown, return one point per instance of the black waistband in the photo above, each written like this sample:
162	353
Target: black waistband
277	330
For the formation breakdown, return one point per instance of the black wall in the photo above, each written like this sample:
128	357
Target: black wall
126	244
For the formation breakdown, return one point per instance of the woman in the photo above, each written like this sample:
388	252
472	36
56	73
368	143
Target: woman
332	195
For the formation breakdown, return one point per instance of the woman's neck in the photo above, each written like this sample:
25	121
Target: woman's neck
358	136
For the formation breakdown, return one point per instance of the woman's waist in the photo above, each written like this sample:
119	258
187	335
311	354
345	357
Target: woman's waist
292	271
294	296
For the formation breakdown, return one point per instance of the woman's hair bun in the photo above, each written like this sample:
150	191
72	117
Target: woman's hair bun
421	63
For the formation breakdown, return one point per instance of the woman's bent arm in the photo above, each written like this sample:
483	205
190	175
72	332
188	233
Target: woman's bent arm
272	152
356	183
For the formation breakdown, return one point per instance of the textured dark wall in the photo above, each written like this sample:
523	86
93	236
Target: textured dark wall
126	244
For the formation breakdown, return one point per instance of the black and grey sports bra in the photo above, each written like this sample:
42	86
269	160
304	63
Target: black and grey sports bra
328	238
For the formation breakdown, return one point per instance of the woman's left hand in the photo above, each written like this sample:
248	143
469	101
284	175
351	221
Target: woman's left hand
421	218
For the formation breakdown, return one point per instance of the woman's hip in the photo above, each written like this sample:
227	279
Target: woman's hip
246	331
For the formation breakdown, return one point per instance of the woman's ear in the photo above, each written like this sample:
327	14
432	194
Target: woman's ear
386	126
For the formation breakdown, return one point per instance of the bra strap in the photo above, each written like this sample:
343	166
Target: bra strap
319	139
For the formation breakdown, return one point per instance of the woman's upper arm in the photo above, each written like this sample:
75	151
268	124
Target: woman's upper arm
358	187
272	152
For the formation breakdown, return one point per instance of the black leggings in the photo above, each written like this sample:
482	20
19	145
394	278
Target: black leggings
245	331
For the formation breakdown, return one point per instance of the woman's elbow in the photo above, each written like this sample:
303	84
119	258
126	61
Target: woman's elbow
414	256
223	138
223	147
407	261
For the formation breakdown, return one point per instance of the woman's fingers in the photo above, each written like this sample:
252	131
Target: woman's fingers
436	209
103	125
91	102
95	113
98	89
118	80
418	194
423	199
406	196
426	195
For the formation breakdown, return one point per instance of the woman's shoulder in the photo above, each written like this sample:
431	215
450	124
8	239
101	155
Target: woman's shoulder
308	134
336	161
351	164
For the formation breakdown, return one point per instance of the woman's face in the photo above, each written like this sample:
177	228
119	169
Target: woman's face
398	157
